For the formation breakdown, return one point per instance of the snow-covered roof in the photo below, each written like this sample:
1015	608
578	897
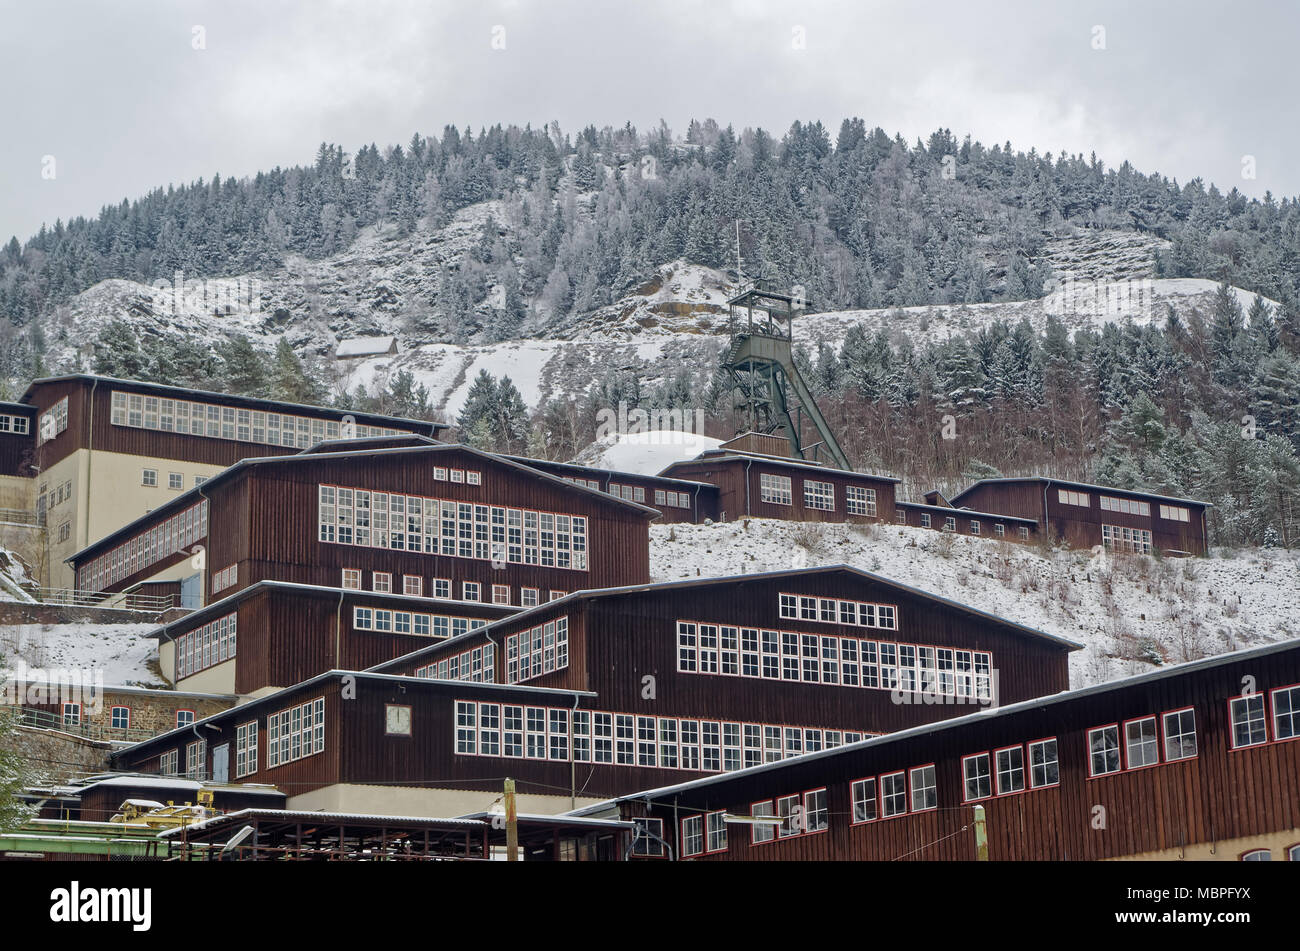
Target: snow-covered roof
333	818
737	455
1079	485
366	347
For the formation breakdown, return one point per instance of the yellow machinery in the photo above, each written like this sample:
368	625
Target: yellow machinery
152	815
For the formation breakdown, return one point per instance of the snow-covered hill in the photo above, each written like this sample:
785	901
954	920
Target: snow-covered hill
1129	612
383	285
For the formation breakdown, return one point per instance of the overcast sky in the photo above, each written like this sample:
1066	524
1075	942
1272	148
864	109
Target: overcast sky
119	96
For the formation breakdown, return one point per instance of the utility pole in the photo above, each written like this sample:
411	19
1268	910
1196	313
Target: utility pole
512	824
981	836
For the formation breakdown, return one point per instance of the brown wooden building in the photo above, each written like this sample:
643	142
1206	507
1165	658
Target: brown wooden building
960	521
351	741
676	500
273	634
99	452
1178	763
759	486
441	520
819	649
607	691
1083	515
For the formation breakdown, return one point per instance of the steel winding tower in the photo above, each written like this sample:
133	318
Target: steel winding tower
769	395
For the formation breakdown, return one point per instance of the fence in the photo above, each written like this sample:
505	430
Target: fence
75	597
49	720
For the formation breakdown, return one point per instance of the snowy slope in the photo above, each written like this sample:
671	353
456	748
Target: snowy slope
1129	612
677	320
123	653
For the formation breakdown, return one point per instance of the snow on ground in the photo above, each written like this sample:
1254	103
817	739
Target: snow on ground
646	453
120	652
15	582
1130	612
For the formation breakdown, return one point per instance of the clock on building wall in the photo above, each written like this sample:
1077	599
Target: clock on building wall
398	719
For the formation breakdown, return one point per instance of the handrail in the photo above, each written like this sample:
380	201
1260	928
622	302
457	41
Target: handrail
21	517
48	720
76	597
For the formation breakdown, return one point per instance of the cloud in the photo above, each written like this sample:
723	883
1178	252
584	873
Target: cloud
118	94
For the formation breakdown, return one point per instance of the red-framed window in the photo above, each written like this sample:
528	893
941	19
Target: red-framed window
866	805
1141	743
1179	729
923	788
1286	712
977	777
1010	768
1248	719
1044	763
692	836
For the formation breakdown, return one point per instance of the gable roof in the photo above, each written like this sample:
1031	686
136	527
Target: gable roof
201	491
956	499
953	723
735	455
594	594
253	402
365	347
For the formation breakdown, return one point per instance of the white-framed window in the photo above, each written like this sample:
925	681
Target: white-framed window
950	524
1175	513
1141	743
1069	497
168	763
246	748
413	585
1123	538
1022	531
924	791
1180	734
900	516
859	500
149	477
1249	724
893	794
471	591
199	480
1257	855
1000	530
866	808
775	489
529	597
71	714
351	579
974	527
761	832
196	760
819	495
1010	769
1286	713
693	835
1044	766
816	811
648	838
501	594
175	480
716	828
442	589
120	718
1104	750
977	777
1110	503
925	519
381	582
53	421
184	718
